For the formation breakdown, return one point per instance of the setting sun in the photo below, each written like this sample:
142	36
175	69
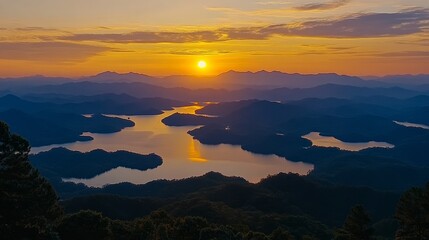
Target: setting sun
202	64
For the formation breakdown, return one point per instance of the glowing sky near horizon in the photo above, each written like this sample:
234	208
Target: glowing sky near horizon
164	37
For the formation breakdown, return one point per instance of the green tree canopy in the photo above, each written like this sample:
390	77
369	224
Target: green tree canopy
357	226
85	225
28	203
413	215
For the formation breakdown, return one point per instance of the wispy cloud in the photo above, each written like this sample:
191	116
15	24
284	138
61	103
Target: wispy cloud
280	10
274	3
421	41
322	6
194	52
31	34
38	29
150	37
405	54
48	51
364	25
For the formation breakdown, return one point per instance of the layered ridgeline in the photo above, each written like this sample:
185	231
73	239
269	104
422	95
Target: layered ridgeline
230	79
228	86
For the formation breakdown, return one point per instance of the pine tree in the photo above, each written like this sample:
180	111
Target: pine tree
412	213
28	203
356	227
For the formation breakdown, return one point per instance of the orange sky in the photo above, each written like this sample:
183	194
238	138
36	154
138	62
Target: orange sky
163	37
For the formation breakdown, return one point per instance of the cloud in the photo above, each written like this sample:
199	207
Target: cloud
280	11
39	30
150	37
192	52
357	26
405	54
48	51
423	41
365	25
274	3
322	6
31	29
31	34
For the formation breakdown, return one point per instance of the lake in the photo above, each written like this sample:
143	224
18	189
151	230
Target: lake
324	141
183	156
414	125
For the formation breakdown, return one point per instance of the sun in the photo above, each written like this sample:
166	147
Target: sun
202	64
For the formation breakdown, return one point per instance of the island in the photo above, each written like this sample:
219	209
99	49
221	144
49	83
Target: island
65	163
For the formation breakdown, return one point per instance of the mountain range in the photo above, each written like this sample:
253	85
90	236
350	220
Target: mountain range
292	87
231	80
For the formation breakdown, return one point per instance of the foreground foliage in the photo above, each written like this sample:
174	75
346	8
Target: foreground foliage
158	225
413	215
357	226
28	203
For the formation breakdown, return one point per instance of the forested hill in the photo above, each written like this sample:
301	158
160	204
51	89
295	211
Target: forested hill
283	194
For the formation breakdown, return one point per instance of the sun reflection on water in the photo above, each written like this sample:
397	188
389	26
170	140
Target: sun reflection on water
195	153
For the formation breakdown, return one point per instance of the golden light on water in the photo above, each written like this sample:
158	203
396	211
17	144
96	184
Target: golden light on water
194	152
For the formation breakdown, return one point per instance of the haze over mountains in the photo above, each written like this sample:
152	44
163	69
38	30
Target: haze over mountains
261	79
275	86
233	79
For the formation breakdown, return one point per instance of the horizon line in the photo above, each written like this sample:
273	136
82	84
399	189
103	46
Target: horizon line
208	75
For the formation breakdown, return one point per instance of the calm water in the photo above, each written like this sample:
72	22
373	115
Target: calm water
322	141
183	156
414	125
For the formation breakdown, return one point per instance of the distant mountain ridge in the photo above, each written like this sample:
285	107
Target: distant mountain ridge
110	76
230	80
144	90
236	80
229	86
265	79
408	79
